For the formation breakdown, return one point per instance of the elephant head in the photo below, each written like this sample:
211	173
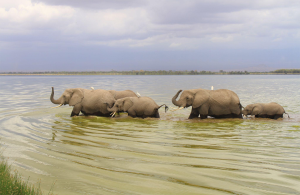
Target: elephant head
186	99
70	96
252	109
120	105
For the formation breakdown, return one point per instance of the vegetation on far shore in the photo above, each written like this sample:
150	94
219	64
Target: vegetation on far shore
159	72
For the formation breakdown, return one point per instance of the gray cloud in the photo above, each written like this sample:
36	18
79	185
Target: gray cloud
210	11
191	29
96	4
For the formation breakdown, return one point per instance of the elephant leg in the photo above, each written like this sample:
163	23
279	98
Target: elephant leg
239	116
76	110
203	116
234	116
194	114
131	113
277	116
157	115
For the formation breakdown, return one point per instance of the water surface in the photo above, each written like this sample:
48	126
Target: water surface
171	155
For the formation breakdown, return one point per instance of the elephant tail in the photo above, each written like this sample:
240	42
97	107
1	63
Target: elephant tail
166	107
287	114
241	106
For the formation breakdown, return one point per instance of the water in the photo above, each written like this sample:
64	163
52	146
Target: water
170	155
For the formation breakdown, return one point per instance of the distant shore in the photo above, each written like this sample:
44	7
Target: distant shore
160	72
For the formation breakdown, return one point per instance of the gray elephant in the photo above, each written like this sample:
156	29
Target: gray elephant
121	94
222	103
89	102
265	110
136	107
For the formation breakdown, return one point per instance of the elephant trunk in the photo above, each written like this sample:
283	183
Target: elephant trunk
174	101
58	101
110	108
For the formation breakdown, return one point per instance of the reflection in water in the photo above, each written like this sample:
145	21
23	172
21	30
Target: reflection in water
171	155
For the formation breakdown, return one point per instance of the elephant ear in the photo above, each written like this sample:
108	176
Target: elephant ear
200	98
127	103
76	98
113	92
257	109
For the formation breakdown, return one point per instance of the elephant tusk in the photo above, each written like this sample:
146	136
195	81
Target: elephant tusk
180	108
58	106
139	95
113	114
173	109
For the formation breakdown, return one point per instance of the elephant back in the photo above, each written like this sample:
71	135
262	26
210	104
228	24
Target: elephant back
95	101
273	108
221	102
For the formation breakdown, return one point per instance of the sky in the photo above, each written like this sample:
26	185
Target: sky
104	35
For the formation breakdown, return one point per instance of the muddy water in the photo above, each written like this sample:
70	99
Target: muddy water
171	155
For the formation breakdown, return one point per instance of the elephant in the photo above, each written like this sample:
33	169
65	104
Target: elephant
89	102
122	94
265	110
137	107
221	103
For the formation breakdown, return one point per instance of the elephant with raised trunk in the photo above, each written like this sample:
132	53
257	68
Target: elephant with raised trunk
89	102
265	110
137	107
222	103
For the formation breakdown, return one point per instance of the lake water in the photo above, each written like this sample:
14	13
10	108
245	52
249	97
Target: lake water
170	155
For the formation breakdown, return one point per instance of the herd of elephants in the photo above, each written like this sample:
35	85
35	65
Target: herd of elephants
222	103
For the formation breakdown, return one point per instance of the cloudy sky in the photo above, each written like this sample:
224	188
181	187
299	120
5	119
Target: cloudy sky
95	35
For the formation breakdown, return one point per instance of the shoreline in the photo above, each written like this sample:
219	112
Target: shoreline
78	74
147	72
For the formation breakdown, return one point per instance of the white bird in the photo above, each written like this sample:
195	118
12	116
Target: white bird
92	88
212	87
137	93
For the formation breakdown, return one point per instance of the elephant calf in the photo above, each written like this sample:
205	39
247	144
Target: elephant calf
221	103
265	110
136	107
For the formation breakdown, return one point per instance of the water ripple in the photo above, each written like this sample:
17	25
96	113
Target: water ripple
171	155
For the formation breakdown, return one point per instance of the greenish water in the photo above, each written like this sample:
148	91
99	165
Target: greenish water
170	155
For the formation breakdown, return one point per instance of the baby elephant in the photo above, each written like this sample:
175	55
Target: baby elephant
265	110
137	107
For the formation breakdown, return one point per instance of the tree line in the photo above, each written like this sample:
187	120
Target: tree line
287	71
159	72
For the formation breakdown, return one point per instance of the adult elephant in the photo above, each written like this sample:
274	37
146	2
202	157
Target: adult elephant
122	94
265	110
222	103
89	102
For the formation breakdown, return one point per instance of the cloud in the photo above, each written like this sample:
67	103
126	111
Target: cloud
175	44
96	4
150	25
221	39
27	17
